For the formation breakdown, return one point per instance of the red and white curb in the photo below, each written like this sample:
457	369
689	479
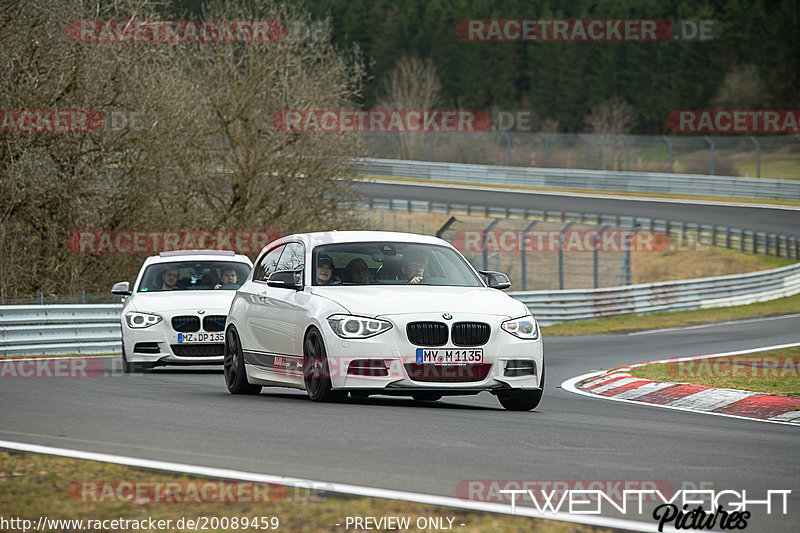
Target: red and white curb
619	384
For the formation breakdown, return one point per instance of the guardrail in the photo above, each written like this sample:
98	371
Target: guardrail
552	307
650	182
87	329
60	329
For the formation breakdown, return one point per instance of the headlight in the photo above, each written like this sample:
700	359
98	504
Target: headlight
142	320
524	327
356	327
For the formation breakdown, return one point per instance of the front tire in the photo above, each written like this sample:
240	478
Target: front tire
316	372
523	400
233	366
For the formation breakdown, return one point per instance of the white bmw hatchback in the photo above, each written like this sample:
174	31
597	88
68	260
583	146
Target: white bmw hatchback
372	312
177	310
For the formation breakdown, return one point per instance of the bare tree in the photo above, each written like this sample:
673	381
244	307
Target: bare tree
609	122
201	153
742	88
412	84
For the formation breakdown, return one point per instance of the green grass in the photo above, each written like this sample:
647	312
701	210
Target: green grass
771	372
39	485
628	323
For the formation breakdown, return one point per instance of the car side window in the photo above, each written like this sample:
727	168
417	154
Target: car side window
268	264
292	258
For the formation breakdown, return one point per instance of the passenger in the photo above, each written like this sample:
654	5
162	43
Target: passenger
357	272
325	271
169	279
229	277
413	267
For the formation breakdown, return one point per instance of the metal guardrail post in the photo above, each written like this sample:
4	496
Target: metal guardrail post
669	144
484	252
561	255
758	156
711	144
524	254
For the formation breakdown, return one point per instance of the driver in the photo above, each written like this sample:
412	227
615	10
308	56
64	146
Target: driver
169	279
413	267
229	277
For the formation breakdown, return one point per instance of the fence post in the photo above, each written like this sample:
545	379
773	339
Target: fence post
669	144
508	146
595	256
546	149
711	144
483	243
523	254
586	151
561	255
758	156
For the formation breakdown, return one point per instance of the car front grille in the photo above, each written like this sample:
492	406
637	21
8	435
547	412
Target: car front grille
146	347
470	333
197	350
186	323
447	373
214	322
427	333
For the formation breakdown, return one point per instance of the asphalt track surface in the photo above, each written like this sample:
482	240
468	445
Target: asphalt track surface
187	416
772	220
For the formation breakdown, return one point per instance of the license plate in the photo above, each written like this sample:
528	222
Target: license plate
200	336
449	357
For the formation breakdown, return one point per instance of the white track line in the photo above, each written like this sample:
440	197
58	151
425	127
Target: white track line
342	488
571	384
581	195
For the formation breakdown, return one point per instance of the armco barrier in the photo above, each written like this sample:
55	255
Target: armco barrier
59	329
651	182
552	307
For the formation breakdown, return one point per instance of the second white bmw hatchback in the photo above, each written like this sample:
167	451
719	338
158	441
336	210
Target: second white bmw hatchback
369	312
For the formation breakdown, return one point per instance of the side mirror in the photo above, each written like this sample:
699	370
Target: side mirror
123	288
495	280
286	279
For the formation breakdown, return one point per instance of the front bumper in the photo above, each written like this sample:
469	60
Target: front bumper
387	363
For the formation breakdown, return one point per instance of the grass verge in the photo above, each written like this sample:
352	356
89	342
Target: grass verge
628	323
771	372
35	485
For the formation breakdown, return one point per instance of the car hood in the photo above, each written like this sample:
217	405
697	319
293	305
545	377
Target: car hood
375	301
183	300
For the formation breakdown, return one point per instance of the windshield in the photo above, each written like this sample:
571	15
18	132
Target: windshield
390	263
194	275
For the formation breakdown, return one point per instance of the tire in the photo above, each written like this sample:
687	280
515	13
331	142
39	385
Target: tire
426	396
316	373
233	366
523	400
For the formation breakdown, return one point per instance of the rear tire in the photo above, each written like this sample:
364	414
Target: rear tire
523	400
316	372
233	366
